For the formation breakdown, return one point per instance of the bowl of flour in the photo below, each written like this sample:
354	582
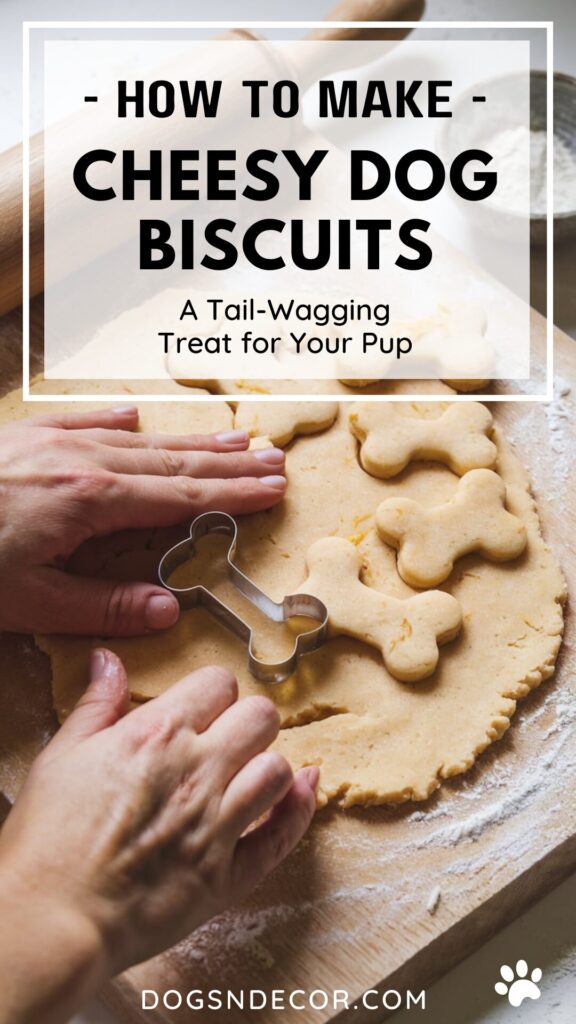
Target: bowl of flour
511	126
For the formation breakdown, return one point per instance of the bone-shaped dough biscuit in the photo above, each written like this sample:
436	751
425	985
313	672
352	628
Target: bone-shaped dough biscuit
407	631
390	439
429	540
446	344
282	421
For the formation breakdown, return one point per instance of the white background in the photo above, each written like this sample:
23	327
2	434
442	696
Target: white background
546	935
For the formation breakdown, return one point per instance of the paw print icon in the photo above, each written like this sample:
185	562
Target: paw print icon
517	985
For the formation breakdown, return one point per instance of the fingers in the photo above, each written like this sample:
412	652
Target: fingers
199	465
241	732
149	501
105	701
114	427
228	441
257	787
196	700
258	853
95	607
120	418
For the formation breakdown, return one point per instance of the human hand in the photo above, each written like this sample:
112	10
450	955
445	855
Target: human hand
67	478
129	833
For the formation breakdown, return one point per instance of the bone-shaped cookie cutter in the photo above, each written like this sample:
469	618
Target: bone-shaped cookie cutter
196	596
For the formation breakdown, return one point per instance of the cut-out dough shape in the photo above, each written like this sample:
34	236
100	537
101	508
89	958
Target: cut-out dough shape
447	343
429	540
448	325
390	439
406	631
282	421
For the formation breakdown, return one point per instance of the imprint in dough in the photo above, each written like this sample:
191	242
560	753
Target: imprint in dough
282	421
407	631
429	540
391	438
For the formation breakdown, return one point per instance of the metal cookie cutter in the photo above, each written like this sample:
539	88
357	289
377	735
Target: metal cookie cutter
292	605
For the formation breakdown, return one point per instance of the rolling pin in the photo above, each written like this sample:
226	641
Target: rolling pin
309	63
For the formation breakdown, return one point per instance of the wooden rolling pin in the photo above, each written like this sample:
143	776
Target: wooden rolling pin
309	66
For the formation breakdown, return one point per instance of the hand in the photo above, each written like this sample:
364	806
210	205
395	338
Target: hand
67	478
130	832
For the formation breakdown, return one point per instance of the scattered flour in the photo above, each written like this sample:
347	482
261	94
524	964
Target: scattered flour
558	414
549	487
434	900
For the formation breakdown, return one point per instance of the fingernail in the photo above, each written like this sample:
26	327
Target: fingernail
279	482
161	612
312	774
233	437
98	663
107	677
275	456
125	410
103	665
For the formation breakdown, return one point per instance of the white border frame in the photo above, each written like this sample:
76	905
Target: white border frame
469	396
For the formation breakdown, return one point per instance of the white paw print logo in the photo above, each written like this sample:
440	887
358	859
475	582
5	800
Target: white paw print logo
517	985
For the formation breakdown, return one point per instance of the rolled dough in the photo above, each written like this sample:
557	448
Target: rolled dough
377	739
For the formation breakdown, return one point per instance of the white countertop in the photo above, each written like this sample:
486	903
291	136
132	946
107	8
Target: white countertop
546	935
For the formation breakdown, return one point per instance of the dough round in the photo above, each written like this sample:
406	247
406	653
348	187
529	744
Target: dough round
376	739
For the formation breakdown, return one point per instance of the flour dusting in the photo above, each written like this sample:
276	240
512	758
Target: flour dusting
550	486
506	789
434	900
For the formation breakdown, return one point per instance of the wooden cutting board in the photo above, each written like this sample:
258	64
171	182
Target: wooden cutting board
349	908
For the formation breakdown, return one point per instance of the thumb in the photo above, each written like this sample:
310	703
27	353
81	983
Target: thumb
105	701
95	607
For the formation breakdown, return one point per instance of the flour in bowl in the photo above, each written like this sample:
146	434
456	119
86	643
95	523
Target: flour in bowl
509	149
